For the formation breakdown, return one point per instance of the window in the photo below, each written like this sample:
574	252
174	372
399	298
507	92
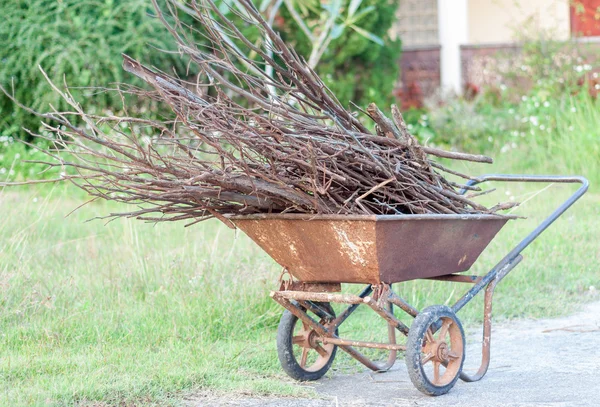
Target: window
417	23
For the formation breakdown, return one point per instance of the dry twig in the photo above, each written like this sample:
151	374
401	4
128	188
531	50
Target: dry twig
245	141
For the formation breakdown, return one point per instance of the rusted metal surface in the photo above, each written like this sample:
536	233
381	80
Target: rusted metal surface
349	310
310	287
392	341
385	314
308	340
408	250
316	309
364	344
403	305
399	234
487	337
322	330
447	350
371	249
319	297
497	273
487	323
319	250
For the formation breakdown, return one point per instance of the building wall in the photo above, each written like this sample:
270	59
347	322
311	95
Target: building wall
502	21
420	76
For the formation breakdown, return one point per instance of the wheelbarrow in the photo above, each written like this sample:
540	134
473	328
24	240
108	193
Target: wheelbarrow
321	252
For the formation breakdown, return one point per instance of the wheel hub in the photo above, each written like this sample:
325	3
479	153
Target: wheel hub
441	352
438	351
305	338
312	339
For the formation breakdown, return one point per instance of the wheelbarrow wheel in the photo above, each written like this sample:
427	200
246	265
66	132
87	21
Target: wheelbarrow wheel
301	353
435	350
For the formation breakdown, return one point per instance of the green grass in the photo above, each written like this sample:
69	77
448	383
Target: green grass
136	314
562	140
544	132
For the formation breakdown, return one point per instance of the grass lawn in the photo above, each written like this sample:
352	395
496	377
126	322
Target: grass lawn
137	314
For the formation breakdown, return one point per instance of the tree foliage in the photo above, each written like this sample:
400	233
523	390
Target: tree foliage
77	41
362	63
81	41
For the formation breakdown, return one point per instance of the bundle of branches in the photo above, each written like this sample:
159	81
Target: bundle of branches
262	133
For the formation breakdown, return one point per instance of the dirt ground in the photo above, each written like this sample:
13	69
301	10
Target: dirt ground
551	362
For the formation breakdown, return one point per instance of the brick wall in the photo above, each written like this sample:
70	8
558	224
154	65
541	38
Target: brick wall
420	75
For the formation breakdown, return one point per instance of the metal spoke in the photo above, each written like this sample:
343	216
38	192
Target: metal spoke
298	339
429	336
444	329
321	350
436	372
303	357
453	355
425	359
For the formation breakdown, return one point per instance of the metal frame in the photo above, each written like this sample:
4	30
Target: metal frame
383	298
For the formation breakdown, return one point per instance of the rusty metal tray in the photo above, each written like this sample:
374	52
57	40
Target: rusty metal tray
371	249
379	250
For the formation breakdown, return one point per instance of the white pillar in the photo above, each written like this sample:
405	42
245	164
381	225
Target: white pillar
453	32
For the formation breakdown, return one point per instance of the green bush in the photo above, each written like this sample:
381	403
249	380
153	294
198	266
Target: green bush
77	41
81	42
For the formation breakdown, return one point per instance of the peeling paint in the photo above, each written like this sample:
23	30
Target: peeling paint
355	250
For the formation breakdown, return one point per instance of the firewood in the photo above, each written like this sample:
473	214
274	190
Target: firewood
249	142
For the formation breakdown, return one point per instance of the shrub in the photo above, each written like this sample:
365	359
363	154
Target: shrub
79	41
548	126
543	79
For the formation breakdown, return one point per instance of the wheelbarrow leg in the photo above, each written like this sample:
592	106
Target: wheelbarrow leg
487	336
392	339
487	321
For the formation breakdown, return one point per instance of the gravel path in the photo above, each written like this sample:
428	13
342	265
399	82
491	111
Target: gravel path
552	362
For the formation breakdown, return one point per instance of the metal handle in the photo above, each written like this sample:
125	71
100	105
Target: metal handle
508	262
536	178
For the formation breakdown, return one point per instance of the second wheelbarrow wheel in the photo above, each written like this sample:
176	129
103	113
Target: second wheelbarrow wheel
302	354
435	350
